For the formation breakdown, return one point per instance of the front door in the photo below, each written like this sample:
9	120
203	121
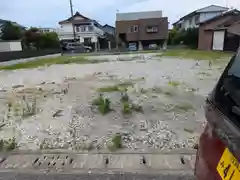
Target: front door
218	40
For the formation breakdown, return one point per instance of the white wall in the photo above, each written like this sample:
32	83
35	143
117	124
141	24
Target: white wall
4	47
10	46
190	22
208	15
98	30
66	32
66	28
15	46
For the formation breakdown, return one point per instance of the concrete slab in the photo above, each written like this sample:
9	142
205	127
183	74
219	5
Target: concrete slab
99	162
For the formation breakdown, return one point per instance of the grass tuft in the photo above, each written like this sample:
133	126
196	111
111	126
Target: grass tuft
8	145
103	104
116	142
127	109
183	107
196	54
174	83
109	89
51	61
121	87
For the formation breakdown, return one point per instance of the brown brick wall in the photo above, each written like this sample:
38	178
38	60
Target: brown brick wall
125	26
205	37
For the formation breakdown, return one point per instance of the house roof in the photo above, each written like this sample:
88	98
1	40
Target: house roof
235	28
106	25
231	12
74	19
205	9
2	21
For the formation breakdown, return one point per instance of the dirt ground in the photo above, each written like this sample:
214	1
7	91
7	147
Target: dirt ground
52	107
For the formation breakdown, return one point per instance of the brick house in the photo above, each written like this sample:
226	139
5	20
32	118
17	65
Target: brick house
220	33
141	29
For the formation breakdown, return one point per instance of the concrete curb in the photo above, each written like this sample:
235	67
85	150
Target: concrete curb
19	61
82	163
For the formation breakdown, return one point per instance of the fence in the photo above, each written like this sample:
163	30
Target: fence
14	55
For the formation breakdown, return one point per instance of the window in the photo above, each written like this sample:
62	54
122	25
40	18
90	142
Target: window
90	28
83	28
134	28
227	93
152	29
77	28
87	40
197	19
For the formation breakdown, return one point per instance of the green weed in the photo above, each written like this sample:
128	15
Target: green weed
103	104
174	83
8	145
115	88
183	107
116	142
127	109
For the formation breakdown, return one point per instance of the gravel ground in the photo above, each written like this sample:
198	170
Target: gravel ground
51	107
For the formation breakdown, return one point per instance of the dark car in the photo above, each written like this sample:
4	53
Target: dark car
77	47
218	154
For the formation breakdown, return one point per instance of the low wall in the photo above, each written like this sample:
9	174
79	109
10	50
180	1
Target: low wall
15	55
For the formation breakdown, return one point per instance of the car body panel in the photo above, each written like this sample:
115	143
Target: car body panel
221	132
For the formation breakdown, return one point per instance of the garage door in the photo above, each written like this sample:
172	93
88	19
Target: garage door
218	40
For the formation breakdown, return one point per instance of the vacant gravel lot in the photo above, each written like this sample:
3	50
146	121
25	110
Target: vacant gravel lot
52	107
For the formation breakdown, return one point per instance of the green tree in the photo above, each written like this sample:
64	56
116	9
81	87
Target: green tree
48	40
11	32
191	37
34	39
171	35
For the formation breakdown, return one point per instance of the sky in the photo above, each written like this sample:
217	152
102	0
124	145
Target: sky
47	13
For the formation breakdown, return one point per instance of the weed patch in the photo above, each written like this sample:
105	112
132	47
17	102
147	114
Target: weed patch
196	54
116	142
8	145
174	83
183	107
116	88
103	104
127	109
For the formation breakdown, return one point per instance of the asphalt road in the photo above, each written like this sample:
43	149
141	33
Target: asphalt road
17	176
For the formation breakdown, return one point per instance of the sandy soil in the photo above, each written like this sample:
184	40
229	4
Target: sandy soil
51	107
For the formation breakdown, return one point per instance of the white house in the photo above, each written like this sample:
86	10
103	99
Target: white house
86	29
46	30
194	18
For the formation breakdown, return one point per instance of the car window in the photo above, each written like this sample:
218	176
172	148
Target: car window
227	95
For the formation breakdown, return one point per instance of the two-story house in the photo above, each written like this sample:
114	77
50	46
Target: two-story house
141	29
46	30
85	30
194	18
109	29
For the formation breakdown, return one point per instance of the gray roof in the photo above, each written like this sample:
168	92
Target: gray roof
202	10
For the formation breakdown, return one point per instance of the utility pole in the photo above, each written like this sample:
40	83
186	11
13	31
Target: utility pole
74	32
